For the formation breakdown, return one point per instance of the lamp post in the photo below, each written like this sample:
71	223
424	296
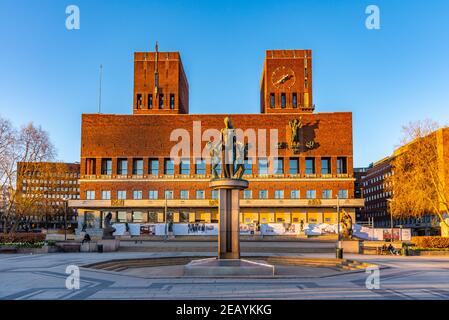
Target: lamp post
167	193
66	204
391	218
339	250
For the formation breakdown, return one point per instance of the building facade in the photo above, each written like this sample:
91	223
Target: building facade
299	165
45	189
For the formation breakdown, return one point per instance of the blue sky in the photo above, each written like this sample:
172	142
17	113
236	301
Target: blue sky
386	77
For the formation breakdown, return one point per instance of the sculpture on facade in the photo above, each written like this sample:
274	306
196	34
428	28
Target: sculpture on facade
346	226
108	229
295	124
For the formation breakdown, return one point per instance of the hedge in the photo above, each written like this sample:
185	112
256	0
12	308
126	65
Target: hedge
22	237
431	242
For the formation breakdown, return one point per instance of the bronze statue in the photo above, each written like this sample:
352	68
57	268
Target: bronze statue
346	223
228	141
295	124
214	152
108	229
241	154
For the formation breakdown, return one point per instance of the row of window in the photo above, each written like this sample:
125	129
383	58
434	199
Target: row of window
200	194
150	101
200	166
293	102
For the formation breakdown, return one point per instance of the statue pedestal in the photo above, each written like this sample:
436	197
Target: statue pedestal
229	209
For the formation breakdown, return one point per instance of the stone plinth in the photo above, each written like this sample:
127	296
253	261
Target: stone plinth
229	209
351	246
213	267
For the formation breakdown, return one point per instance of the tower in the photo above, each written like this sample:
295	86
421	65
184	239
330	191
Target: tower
160	84
286	85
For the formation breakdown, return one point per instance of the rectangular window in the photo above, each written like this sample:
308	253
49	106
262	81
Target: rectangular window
153	167
121	195
161	101
137	194
343	194
105	195
342	165
200	194
91	166
278	166
152	195
262	166
279	194
263	194
139	101
185	166
310	194
272	102
294	165
325	165
137	166
172	101
169	167
248	166
184	194
310	165
122	167
150	101
122	216
200	166
294	100
283	100
294	194
247	194
215	194
327	194
106	166
168	194
90	195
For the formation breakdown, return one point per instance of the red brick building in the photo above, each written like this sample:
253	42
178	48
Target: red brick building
298	164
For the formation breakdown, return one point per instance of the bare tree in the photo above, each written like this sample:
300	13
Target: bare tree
419	182
28	146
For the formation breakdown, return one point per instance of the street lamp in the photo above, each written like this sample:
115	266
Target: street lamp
391	218
339	250
66	204
167	192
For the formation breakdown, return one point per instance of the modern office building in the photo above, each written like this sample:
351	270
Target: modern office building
299	165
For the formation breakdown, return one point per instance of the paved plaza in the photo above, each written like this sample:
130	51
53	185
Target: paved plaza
44	277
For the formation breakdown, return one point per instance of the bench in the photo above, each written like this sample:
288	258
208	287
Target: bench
8	250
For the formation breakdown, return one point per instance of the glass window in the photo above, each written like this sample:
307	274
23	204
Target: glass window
294	194
215	194
343	194
168	194
278	166
169	167
153	167
327	194
310	165
184	194
172	101
283	100
161	101
247	194
310	194
342	165
279	194
106	166
137	194
90	195
152	194
248	166
121	194
122	216
138	166
294	165
272	102
185	166
139	101
150	101
106	195
122	167
200	166
262	166
263	194
200	194
139	216
325	165
294	100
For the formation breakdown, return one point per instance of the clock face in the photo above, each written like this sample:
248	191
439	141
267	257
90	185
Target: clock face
283	77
